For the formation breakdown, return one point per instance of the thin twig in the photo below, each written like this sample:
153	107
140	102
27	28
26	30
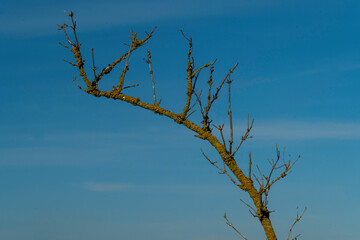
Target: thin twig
93	60
261	175
63	27
210	82
248	206
126	67
152	76
230	116
111	66
245	137
215	96
74	79
191	82
298	218
73	27
257	179
190	76
231	225
198	99
222	171
190	114
250	163
65	46
73	64
220	128
204	66
189	39
131	86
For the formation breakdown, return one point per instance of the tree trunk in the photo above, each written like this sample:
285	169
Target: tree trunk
268	228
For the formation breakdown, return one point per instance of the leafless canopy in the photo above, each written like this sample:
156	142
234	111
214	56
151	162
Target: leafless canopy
256	183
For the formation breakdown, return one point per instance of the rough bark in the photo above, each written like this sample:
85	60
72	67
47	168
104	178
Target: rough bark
237	176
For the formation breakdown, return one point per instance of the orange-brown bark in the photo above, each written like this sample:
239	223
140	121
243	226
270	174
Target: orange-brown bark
204	132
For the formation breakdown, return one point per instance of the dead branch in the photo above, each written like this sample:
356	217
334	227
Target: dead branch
245	136
72	64
222	171
131	86
220	128
298	218
93	61
206	122
230	167
74	79
232	226
191	74
231	140
251	209
148	61
250	163
264	186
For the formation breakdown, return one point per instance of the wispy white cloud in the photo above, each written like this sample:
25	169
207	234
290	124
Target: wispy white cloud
78	147
304	130
90	136
42	17
107	187
50	156
255	81
168	188
331	66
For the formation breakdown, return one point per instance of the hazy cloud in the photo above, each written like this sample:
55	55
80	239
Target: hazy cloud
255	81
107	187
168	188
42	18
331	66
303	130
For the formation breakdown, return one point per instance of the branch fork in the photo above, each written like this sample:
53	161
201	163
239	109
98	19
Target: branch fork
225	149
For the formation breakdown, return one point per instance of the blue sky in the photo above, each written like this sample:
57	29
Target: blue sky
76	167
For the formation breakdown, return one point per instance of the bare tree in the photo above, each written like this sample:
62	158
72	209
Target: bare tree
256	183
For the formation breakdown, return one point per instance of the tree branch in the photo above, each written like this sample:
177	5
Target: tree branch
93	60
148	61
191	73
204	132
223	171
245	136
298	218
232	226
